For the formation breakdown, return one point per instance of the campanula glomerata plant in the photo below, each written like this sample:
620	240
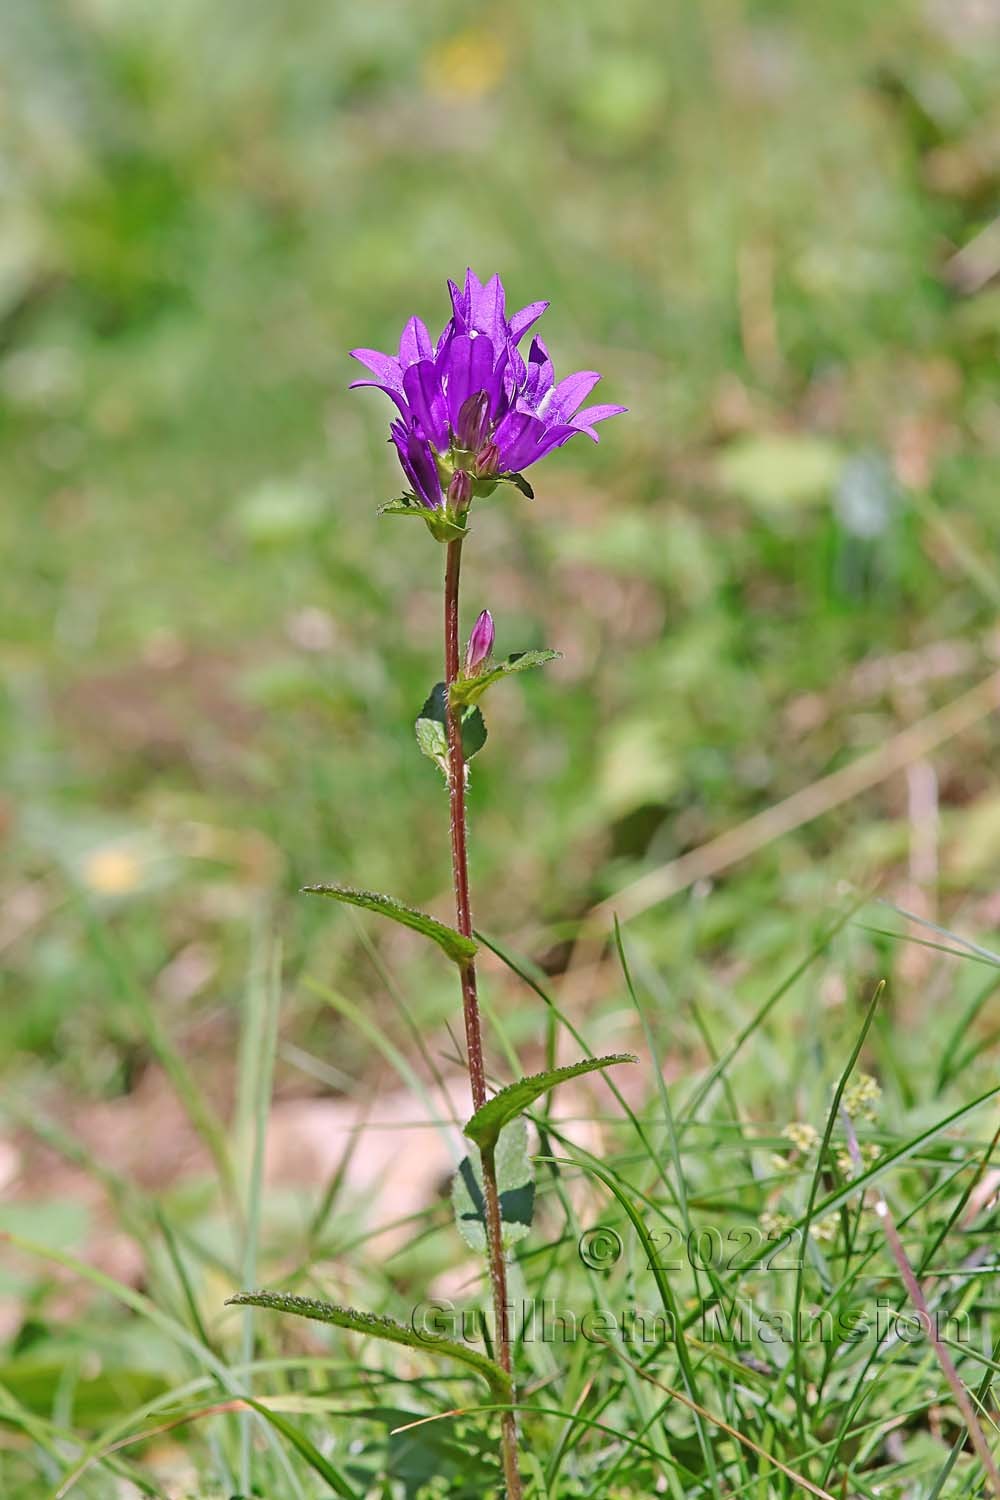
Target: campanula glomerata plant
473	413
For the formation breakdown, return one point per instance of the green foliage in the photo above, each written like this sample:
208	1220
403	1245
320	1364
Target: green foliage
371	1325
488	1122
441	526
781	473
404	505
519	483
468	690
458	947
432	735
515	1182
675	1262
304	1445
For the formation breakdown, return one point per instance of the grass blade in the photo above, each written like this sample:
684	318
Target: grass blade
307	1448
256	1074
700	1094
814	1185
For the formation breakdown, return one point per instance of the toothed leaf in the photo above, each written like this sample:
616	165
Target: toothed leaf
468	690
487	1123
459	949
379	1328
403	505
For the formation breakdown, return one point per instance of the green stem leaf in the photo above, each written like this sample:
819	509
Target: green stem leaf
432	732
379	1328
487	1123
468	690
515	1180
461	950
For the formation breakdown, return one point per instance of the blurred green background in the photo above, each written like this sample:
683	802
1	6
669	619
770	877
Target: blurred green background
768	224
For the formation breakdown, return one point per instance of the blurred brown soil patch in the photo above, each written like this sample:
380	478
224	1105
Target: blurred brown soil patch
174	705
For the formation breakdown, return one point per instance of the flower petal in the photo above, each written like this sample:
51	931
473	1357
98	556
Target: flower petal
486	313
417	463
459	300
523	320
422	388
584	420
414	343
538	376
390	391
467	367
568	394
555	437
517	437
381	365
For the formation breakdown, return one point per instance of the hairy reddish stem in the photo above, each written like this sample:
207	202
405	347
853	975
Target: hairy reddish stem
470	1004
459	833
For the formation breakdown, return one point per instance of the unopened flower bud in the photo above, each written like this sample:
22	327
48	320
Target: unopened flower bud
480	643
473	420
488	461
460	490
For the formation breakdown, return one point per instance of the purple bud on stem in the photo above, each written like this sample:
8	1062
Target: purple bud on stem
488	461
480	643
473	420
460	490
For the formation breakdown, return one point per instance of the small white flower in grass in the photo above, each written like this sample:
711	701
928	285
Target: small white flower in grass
862	1097
803	1136
824	1231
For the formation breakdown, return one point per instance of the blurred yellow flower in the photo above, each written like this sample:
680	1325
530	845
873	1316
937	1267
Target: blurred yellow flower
802	1135
861	1098
870	1153
466	66
112	871
825	1230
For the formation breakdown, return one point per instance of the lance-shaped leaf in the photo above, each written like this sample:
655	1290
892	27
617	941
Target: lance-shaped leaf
487	1123
468	689
379	1328
432	734
515	1186
460	949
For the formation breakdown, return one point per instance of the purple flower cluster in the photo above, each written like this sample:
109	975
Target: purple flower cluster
473	411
